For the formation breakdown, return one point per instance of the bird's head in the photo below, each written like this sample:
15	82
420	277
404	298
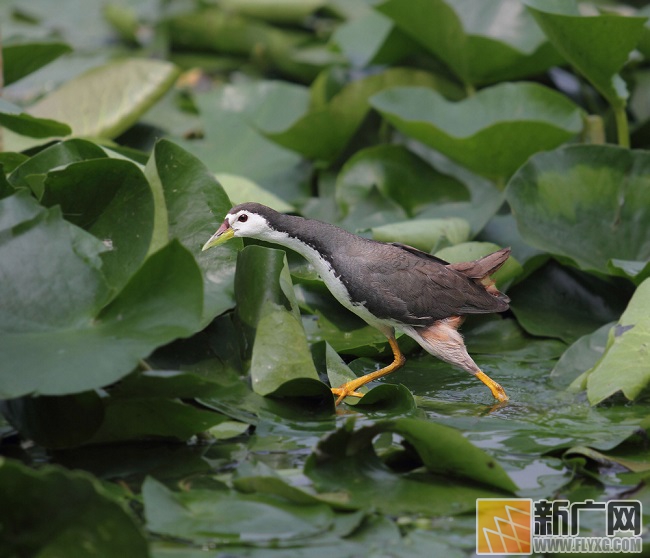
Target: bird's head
250	220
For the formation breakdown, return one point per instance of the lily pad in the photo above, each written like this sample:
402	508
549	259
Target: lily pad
112	200
57	155
322	133
581	356
398	174
195	205
625	365
94	522
232	116
476	41
373	39
589	205
59	332
21	59
228	517
15	119
345	462
559	302
241	189
106	100
284	11
280	352
579	39
493	132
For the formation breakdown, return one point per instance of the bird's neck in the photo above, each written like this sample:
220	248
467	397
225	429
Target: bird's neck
314	240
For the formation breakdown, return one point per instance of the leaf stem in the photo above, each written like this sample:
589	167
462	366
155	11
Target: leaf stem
622	129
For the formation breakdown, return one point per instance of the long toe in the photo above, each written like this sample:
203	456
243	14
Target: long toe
345	391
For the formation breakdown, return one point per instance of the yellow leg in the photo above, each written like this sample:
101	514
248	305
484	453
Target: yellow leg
350	388
497	391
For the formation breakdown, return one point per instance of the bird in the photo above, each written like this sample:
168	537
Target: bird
391	286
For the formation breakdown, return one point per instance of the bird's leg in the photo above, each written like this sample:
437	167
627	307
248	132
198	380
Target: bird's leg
441	339
350	388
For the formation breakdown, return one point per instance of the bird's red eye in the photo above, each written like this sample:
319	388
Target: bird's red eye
243	218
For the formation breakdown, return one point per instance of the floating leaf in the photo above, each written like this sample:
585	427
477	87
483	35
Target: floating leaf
581	356
56	331
476	41
587	203
234	145
36	523
107	100
398	174
196	204
230	517
372	39
625	365
579	40
280	352
322	133
493	132
241	189
57	155
559	302
112	200
346	462
20	60
262	276
13	118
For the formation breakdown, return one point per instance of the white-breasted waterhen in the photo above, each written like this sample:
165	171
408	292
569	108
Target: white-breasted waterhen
388	285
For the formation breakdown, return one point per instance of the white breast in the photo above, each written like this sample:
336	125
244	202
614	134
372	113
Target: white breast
326	273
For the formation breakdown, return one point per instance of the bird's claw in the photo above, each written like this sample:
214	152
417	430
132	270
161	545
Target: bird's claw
345	391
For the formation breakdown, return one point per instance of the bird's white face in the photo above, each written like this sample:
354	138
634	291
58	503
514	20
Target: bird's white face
247	224
242	223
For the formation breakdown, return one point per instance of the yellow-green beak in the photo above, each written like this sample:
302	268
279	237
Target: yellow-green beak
223	234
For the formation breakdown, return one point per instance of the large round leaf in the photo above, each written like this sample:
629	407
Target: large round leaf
55	512
22	59
233	144
625	365
13	118
589	204
54	330
398	174
480	42
322	133
105	101
457	472
195	204
580	40
373	39
111	199
491	133
562	302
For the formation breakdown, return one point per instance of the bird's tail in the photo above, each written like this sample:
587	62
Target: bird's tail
481	269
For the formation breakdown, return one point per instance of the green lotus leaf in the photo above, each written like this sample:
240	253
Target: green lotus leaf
493	132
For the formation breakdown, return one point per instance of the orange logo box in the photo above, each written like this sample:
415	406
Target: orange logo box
504	526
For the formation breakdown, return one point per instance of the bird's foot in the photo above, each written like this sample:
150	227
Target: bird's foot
497	391
346	391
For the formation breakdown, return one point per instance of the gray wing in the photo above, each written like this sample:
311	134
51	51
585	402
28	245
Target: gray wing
408	287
